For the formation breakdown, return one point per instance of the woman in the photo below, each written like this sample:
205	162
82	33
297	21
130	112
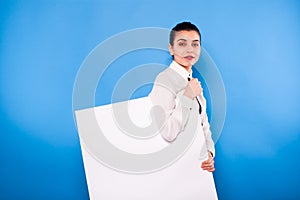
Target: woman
178	93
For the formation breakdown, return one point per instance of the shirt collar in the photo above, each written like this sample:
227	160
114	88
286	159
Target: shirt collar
180	70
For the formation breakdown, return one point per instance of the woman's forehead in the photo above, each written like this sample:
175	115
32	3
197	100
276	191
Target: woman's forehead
187	35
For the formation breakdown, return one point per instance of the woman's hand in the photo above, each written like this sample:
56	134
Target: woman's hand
193	88
209	163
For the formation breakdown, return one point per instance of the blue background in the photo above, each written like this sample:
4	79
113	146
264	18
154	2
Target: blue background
255	44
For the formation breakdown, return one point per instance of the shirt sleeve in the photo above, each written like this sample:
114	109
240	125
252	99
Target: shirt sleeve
207	133
171	111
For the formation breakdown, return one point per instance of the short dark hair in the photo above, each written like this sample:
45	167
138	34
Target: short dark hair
183	26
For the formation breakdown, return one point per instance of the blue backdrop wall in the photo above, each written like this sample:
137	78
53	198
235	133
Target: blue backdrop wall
255	44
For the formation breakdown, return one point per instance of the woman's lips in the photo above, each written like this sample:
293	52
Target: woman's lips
189	57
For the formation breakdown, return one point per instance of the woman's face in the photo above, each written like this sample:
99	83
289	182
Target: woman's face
186	48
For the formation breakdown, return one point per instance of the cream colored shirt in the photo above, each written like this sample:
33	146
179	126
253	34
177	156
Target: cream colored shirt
167	95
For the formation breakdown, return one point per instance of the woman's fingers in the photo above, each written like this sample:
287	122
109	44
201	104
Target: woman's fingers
208	165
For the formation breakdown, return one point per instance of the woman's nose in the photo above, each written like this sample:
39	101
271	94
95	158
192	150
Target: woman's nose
189	48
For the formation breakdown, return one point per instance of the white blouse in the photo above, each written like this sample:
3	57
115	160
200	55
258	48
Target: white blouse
173	108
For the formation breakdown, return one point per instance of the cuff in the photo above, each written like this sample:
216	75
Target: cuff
186	102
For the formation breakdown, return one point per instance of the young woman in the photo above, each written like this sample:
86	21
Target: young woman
179	94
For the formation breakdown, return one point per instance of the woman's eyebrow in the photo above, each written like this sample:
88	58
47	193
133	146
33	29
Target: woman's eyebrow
186	40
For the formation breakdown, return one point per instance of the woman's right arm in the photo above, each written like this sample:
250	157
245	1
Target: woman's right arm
170	114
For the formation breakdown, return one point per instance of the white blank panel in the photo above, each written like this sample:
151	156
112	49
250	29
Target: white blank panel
182	180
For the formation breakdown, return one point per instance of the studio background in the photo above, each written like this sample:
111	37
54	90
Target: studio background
255	44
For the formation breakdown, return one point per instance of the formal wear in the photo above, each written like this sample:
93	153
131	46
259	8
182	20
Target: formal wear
176	108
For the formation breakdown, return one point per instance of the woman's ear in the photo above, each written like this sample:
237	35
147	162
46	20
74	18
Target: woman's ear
171	50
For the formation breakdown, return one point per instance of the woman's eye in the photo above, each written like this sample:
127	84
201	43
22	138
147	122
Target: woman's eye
181	44
195	44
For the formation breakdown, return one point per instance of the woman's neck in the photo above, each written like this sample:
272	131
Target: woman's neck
187	68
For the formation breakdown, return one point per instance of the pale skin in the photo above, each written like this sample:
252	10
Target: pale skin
186	50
